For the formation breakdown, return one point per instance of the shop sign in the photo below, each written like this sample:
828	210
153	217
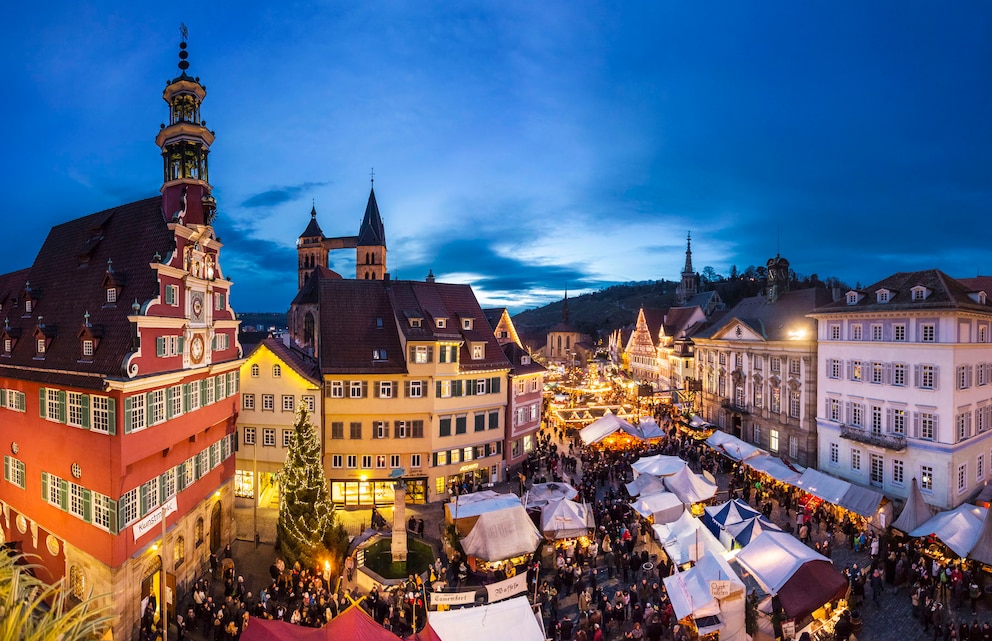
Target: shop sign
719	589
507	588
789	629
452	598
468	468
144	525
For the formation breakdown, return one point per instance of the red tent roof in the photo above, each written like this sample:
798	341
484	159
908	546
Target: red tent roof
354	624
812	585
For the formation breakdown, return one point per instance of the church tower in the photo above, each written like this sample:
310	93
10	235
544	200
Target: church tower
185	144
310	249
370	260
689	286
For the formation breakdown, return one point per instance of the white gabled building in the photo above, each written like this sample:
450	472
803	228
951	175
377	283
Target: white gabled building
904	368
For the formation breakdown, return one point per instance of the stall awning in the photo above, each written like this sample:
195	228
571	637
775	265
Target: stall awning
776	468
958	529
861	500
732	446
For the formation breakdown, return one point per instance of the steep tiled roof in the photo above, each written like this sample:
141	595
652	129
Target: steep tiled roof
678	319
654	319
313	229
372	232
67	281
493	316
305	366
515	354
945	293
773	321
309	292
359	318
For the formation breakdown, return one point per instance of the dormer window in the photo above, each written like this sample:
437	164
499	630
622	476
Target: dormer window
28	306
853	297
8	345
525	360
882	295
415	322
378	354
920	293
111	294
467	323
87	348
378	322
978	297
478	351
441	322
40	346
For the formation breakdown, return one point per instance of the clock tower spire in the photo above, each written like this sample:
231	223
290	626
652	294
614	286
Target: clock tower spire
185	143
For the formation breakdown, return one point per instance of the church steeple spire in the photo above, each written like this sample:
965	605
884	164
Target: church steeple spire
371	245
688	255
689	285
185	144
564	308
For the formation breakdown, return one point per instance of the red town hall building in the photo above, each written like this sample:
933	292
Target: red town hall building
119	386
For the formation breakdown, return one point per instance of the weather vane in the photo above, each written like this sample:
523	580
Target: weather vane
372	175
183	31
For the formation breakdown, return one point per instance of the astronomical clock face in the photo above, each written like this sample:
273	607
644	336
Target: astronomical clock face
196	349
196	306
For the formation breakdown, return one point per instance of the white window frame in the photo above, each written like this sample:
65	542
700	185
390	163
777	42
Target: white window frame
268	402
268	437
288	403
415	461
337	389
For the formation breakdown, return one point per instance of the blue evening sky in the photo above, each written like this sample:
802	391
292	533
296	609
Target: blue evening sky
524	147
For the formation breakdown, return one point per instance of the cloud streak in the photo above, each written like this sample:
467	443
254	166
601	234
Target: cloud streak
280	195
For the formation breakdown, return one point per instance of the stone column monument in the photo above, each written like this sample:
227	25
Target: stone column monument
399	546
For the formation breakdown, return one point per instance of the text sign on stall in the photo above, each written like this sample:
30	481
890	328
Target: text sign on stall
452	598
719	589
506	589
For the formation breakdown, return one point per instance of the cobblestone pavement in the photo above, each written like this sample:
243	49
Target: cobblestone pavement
888	620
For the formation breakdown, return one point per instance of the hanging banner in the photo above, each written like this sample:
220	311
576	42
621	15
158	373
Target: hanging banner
506	589
452	598
154	518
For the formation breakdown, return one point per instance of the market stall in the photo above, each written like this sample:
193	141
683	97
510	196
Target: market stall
565	519
735	448
645	484
865	502
463	511
717	518
540	494
958	529
605	426
658	465
512	618
695	604
800	577
689	487
744	532
776	468
660	507
686	539
502	534
917	510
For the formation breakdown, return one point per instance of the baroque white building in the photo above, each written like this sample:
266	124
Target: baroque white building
904	369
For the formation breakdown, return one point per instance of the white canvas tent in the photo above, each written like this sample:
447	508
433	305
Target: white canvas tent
776	468
493	622
649	428
564	519
861	500
658	465
958	529
686	539
645	484
604	426
732	446
540	494
689	487
917	510
501	535
689	593
663	507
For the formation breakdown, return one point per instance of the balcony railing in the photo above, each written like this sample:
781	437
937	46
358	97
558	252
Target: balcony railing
888	441
734	407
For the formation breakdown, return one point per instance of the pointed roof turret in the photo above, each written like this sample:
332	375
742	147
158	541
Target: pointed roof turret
313	229
372	232
688	254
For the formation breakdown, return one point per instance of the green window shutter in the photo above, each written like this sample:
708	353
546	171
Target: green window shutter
6	468
160	346
112	415
168	403
21	401
216	388
493	420
480	422
438	390
182	344
84	406
185	397
161	489
365	389
3	398
142	501
375	389
495	385
470	387
62	396
237	381
406	389
128	407
116	517
430	353
454	354
148	409
88	506
443	354
112	515
42	401
64	494
203	392
413	354
44	486
456	388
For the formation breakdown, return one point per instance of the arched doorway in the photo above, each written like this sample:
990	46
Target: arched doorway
215	528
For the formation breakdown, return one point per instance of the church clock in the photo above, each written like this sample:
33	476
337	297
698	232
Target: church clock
196	349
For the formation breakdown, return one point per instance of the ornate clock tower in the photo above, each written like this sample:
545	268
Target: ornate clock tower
185	144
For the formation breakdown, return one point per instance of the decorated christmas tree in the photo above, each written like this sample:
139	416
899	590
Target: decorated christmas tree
305	510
